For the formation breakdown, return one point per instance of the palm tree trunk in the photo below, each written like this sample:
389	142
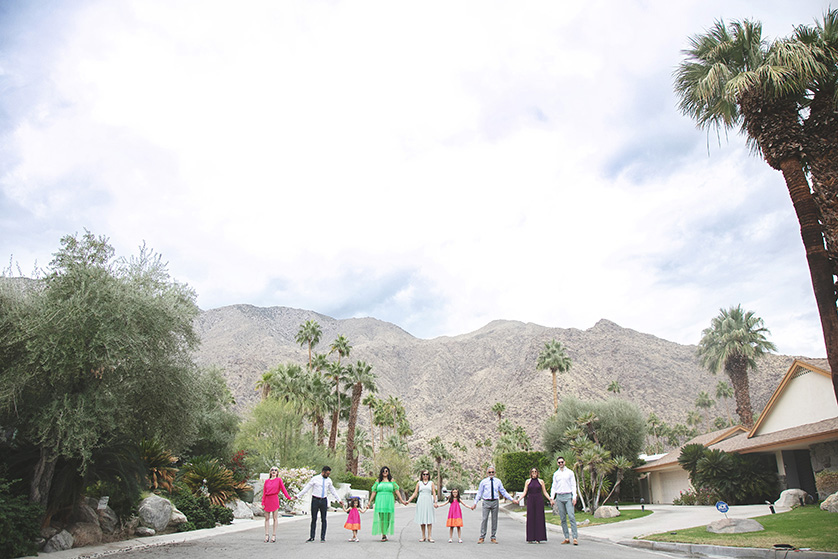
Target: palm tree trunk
737	369
333	433
351	462
555	392
820	269
372	435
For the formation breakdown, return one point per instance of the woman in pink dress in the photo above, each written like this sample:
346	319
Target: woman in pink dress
270	500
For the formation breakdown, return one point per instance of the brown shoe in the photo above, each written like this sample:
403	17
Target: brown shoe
494	540
566	541
575	542
480	540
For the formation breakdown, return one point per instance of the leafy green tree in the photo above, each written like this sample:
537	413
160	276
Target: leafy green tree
733	342
215	419
555	359
101	354
732	77
360	377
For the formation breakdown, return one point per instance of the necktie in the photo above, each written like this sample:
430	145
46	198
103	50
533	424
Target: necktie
492	485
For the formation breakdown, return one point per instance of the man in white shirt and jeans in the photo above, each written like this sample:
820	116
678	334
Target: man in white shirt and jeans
564	493
321	488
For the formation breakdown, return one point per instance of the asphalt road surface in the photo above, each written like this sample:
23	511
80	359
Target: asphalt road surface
404	544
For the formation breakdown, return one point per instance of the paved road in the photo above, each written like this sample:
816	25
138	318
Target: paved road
404	544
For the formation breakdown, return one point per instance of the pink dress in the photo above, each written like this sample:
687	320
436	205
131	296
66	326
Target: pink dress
353	521
270	494
455	515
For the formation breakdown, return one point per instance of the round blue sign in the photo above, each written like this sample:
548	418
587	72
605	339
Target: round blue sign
721	506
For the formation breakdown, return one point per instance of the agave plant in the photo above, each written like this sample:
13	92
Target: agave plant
204	475
159	465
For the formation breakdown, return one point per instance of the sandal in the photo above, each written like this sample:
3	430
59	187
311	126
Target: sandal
267	538
273	539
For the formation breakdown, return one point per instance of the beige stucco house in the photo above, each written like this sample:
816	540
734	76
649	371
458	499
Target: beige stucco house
799	427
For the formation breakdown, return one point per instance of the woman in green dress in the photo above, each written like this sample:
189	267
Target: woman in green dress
383	497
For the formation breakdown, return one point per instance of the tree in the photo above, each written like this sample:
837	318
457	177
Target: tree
98	355
337	373
265	384
360	377
438	453
615	387
725	391
309	335
704	402
733	342
554	358
732	77
498	410
371	402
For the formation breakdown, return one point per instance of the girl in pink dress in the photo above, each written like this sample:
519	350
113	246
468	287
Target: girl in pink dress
455	515
270	500
353	521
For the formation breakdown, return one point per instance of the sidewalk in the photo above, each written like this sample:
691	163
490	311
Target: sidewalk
670	518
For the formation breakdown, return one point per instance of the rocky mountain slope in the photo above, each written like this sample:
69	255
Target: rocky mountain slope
449	384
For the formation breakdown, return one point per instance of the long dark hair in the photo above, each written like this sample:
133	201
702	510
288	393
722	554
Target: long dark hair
381	474
451	497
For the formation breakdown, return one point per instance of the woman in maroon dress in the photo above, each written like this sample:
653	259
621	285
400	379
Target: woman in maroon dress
535	492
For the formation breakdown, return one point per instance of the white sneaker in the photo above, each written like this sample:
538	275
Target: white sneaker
450	540
461	541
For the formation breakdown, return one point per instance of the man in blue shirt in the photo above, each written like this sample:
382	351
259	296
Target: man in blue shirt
488	491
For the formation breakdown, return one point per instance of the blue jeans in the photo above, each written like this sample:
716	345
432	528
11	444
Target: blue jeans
564	502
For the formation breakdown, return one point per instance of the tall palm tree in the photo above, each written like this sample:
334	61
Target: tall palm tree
731	77
371	402
554	358
498	410
309	335
264	384
705	402
361	377
438	453
733	342
342	347
725	392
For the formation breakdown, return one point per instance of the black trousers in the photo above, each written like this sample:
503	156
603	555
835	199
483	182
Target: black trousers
319	505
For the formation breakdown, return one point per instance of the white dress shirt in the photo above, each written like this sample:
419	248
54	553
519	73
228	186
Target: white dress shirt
564	481
320	487
484	490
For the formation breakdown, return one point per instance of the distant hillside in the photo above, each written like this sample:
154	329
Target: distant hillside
449	384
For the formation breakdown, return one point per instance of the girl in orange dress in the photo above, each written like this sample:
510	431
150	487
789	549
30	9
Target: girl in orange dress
455	515
353	521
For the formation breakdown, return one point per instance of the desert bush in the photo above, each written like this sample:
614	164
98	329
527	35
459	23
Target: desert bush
20	523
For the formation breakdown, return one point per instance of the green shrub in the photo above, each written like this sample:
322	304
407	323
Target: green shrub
703	496
222	515
358	483
513	468
204	472
196	508
186	527
20	524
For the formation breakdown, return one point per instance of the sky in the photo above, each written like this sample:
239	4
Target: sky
434	164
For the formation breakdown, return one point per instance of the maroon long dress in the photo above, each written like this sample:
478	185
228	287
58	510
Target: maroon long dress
536	526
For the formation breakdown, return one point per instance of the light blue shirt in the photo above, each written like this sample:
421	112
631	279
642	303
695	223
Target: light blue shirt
484	490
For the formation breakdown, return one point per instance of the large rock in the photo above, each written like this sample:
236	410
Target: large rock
61	541
240	509
606	512
792	498
177	518
144	531
108	520
830	504
155	512
86	533
734	526
83	512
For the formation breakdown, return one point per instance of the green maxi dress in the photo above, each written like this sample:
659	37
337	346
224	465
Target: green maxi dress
384	506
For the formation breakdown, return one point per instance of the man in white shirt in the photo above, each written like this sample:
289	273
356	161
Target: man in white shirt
321	487
563	491
488	491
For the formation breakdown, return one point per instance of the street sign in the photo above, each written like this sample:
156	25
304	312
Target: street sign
722	507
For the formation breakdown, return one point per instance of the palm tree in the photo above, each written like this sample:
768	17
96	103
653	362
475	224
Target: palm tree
438	453
337	374
730	78
704	402
693	418
498	410
725	391
733	341
309	335
371	402
554	358
264	384
615	387
360	377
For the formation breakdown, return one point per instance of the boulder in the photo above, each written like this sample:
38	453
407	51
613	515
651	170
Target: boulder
86	533
84	513
177	518
792	498
606	512
61	541
108	520
240	509
830	504
144	531
155	512
734	526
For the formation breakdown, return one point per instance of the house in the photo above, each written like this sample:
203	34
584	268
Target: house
798	427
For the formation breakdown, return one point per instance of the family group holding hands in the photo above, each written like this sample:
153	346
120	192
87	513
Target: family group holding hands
385	492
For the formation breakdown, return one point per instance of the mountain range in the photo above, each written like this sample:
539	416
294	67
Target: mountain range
449	384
